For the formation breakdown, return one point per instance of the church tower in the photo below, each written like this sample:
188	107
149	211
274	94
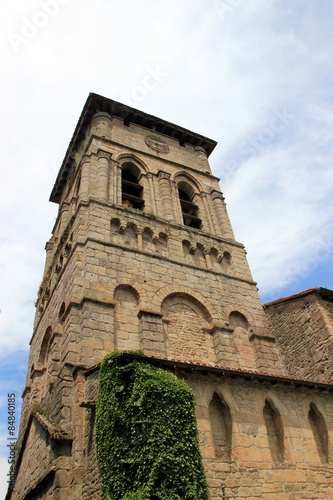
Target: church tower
143	257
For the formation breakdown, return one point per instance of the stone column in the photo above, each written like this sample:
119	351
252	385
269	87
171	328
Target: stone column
223	222
165	191
103	164
101	125
64	216
117	184
140	242
151	191
202	159
208	213
208	259
156	185
176	204
85	178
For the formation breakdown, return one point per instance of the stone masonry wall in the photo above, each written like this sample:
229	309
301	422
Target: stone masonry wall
120	278
304	336
251	469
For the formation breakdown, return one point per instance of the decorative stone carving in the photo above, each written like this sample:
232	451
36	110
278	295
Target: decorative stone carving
157	144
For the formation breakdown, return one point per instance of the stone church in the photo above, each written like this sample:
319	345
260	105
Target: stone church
143	257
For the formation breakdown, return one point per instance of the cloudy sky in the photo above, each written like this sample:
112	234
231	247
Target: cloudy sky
255	75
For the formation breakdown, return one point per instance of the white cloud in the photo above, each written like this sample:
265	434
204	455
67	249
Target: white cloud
227	77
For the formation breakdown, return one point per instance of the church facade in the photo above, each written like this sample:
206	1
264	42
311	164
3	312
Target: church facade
143	257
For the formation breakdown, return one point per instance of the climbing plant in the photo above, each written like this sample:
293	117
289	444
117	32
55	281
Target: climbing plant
146	434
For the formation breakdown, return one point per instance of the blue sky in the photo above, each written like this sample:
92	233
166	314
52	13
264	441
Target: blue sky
254	75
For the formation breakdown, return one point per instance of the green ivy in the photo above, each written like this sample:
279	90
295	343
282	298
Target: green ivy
146	434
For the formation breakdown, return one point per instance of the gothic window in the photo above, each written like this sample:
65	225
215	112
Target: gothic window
190	210
319	431
275	432
45	347
220	419
132	191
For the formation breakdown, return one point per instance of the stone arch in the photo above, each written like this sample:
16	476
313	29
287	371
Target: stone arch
228	309
129	235
221	425
131	187
122	290
126	322
137	289
274	430
131	158
44	349
162	243
187	247
319	431
190	200
186	177
187	329
224	393
244	347
196	296
237	319
147	239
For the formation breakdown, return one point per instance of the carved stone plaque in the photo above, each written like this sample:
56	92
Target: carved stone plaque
157	144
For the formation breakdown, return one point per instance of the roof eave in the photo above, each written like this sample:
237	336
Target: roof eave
96	103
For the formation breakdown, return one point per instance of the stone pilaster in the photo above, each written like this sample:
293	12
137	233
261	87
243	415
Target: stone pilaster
223	221
152	192
152	340
85	178
103	166
225	348
165	191
209	217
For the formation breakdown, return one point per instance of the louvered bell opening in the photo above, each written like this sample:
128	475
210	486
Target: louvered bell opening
189	210
131	191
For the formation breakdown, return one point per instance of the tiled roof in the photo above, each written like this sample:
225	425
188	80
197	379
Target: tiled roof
220	370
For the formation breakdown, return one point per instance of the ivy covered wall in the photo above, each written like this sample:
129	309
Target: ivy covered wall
146	434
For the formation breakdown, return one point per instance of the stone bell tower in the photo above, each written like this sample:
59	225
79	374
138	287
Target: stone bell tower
142	256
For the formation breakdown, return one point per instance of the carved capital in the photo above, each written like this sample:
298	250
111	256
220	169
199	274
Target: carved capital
163	175
49	246
217	195
103	154
85	159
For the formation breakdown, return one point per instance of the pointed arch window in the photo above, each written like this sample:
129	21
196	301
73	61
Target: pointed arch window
132	191
275	431
220	418
45	347
319	431
190	210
